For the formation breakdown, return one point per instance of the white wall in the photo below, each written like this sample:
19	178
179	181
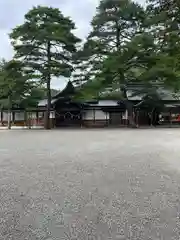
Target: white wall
19	116
5	116
99	115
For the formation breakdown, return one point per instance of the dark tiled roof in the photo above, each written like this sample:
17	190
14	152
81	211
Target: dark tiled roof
136	93
67	91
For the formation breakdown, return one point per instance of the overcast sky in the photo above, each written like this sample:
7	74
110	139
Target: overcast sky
12	13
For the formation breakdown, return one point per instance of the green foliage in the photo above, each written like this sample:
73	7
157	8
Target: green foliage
105	54
131	45
46	45
33	97
46	42
14	85
115	23
164	20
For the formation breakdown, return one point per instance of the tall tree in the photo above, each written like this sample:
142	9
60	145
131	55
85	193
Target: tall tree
114	26
45	42
115	23
14	85
164	22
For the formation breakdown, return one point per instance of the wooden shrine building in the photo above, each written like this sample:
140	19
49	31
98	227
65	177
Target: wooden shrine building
67	112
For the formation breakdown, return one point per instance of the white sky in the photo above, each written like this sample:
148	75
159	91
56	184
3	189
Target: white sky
12	13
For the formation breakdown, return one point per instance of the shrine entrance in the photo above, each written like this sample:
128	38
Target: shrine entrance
69	118
68	115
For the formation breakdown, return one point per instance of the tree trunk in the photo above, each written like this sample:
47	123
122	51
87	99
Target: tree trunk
9	112
29	120
129	108
1	116
118	44
137	118
152	117
48	109
48	86
170	119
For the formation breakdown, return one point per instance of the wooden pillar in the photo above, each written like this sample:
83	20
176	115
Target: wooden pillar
94	115
44	119
126	118
37	118
81	118
13	116
106	119
25	118
1	117
29	120
121	120
137	118
170	118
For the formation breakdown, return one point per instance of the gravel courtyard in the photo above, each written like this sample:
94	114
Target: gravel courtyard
90	184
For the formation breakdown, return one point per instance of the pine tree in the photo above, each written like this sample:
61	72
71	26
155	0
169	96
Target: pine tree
165	26
114	24
45	42
109	57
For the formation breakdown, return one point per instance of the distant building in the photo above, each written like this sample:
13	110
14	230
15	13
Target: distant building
67	112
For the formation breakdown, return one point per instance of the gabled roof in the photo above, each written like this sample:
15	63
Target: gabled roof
69	90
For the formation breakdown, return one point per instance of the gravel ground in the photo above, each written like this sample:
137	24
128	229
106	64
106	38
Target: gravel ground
90	184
